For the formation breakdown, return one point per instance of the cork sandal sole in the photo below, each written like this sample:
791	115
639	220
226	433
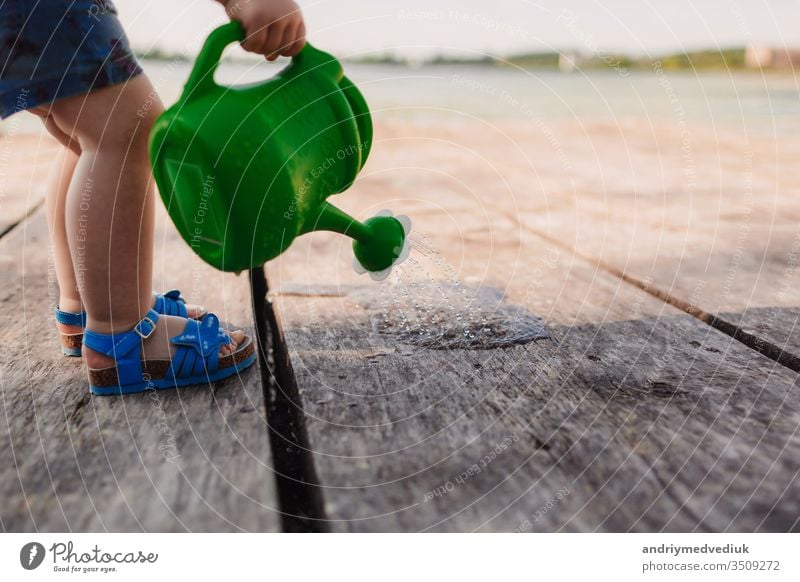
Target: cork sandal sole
71	344
104	381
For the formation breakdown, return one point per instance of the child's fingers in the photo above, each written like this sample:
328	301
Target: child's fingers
288	38
274	38
254	41
299	42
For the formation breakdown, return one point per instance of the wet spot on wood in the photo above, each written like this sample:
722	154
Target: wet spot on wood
446	316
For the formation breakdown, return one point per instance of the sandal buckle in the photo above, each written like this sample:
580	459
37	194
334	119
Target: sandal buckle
151	330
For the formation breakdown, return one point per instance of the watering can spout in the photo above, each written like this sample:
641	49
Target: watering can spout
379	243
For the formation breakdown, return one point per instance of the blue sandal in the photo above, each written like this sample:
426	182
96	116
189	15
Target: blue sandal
196	361
169	303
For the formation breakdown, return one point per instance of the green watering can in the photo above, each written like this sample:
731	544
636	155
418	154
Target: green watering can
244	170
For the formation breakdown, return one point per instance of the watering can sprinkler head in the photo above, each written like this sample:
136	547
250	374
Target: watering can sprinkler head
386	247
244	170
379	243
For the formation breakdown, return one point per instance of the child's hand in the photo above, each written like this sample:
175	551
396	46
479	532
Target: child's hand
273	27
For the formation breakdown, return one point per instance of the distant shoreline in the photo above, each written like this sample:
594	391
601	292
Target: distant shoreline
730	59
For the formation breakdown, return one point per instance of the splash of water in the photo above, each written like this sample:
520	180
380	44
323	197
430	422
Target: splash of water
418	306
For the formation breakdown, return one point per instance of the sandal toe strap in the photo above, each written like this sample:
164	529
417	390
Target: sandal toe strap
171	303
198	348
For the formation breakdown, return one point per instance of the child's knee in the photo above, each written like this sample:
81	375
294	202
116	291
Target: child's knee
134	114
117	117
58	132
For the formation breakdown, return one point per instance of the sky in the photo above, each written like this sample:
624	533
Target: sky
422	28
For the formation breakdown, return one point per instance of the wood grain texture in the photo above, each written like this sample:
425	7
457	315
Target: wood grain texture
196	459
633	416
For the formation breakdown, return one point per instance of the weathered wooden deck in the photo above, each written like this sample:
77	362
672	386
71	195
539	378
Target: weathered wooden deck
667	397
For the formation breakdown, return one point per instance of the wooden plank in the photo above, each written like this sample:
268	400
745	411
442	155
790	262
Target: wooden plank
197	459
705	215
22	177
633	416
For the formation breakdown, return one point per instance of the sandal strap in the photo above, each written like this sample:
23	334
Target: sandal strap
124	347
171	303
67	318
197	348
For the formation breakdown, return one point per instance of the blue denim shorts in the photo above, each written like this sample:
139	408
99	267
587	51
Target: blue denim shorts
51	49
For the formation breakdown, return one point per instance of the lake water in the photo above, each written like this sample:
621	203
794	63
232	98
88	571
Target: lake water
760	103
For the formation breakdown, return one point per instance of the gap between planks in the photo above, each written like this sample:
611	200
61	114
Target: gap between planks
752	341
299	496
9	228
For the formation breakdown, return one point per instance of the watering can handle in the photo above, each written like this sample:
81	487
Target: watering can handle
201	79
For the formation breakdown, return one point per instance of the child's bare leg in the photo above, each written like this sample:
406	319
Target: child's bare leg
110	211
61	174
60	179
